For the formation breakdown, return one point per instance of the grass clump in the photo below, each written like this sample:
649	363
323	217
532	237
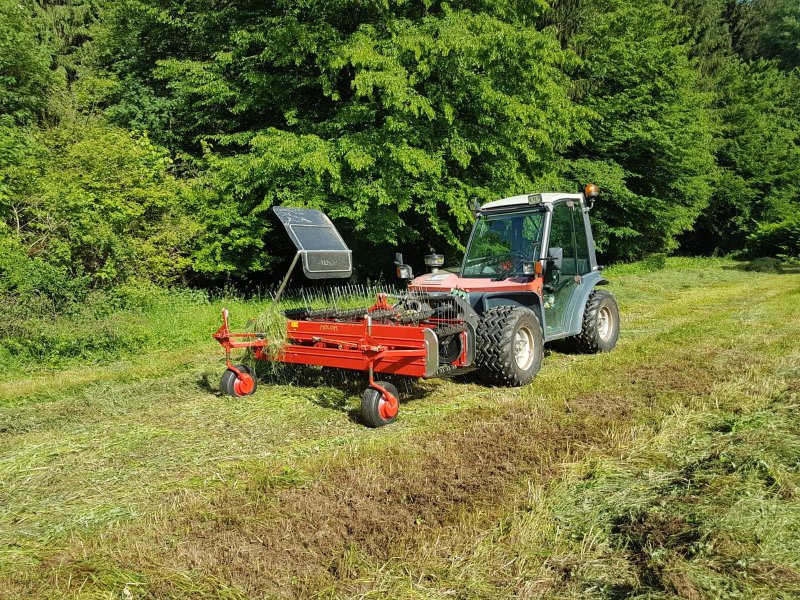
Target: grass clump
271	322
655	262
764	264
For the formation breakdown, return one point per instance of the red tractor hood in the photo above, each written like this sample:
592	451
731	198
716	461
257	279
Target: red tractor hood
444	282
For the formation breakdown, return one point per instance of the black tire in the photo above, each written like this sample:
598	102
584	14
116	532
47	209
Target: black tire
229	378
496	348
370	405
600	328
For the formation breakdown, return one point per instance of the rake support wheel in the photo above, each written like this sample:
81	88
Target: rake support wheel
376	409
239	387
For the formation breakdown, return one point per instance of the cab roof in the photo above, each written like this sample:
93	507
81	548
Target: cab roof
522	200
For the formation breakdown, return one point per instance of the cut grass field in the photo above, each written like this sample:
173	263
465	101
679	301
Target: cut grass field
667	468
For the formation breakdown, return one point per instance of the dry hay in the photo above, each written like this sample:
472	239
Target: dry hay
271	322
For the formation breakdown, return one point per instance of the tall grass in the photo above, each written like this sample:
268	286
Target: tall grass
141	318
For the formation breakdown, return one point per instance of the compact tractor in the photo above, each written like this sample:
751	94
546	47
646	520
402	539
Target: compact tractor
529	276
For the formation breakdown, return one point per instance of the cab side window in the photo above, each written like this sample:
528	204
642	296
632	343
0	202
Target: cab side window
562	236
581	243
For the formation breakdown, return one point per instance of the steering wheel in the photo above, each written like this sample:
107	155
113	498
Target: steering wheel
511	255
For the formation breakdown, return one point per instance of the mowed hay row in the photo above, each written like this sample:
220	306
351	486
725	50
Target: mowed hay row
380	501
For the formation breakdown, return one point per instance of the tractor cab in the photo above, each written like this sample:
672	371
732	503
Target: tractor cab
534	251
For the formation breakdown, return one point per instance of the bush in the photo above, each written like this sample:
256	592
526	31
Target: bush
764	265
33	287
104	204
780	239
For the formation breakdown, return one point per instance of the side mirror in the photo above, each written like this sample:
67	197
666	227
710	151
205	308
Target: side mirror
555	256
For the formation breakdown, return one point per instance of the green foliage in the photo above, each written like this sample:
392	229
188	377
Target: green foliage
769	29
20	154
148	139
389	119
780	238
758	154
651	146
31	283
25	75
105	206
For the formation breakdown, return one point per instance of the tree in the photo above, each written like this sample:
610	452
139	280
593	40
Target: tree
651	147
768	29
759	157
25	75
390	116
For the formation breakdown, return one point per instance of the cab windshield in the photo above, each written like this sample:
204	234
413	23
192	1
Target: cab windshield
500	244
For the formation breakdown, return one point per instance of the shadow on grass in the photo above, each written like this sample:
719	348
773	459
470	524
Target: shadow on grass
559	347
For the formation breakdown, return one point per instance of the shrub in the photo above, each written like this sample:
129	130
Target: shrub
104	204
780	239
764	265
33	287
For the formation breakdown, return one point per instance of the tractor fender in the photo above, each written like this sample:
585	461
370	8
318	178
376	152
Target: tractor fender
579	298
483	301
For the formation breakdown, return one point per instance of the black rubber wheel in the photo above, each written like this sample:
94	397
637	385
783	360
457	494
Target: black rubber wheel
373	413
509	346
600	328
231	385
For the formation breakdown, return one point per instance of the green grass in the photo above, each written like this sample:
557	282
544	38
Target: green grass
667	468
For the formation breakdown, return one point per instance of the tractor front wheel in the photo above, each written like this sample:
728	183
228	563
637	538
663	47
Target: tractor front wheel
376	409
600	328
509	346
236	386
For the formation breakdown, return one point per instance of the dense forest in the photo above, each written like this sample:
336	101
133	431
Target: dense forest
143	142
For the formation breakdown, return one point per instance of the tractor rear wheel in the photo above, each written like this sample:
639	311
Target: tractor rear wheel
376	409
509	346
600	328
238	387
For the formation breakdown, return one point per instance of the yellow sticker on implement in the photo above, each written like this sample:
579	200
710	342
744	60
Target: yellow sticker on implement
294	324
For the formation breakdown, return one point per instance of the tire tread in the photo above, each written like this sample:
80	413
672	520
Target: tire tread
587	341
495	337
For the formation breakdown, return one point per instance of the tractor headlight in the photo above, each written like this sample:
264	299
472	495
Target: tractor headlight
434	261
528	268
404	272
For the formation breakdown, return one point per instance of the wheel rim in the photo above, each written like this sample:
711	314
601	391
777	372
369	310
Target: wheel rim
604	322
387	408
523	348
243	385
